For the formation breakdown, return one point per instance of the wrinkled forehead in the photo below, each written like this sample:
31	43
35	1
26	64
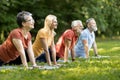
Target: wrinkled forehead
80	23
27	17
92	21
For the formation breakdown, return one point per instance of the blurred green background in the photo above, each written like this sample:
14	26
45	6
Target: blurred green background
105	12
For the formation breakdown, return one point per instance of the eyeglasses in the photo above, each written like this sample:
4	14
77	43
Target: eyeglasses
31	20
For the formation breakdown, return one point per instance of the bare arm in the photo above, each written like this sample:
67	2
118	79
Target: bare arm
95	48
53	52
18	44
86	47
31	54
67	46
45	47
73	53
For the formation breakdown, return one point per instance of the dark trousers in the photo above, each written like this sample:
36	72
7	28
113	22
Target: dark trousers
1	62
57	58
18	60
42	57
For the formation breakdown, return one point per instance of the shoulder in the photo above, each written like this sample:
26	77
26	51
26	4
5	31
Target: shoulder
69	32
42	31
84	32
15	31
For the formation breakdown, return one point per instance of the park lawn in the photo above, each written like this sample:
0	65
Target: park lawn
93	69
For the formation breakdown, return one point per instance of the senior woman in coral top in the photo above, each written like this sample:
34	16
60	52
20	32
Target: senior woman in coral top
18	44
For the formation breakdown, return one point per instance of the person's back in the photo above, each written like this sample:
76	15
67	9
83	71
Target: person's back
60	45
67	41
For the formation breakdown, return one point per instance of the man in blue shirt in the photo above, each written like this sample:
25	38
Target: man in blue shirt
87	40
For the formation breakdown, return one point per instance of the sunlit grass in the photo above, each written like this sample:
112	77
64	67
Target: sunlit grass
93	69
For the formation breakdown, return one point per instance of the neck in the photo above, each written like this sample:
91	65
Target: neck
51	28
24	32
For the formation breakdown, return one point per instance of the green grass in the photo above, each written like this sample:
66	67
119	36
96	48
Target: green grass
81	69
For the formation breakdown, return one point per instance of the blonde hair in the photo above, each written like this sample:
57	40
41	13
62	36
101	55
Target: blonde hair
48	20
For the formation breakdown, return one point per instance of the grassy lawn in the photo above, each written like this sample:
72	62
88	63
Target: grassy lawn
93	69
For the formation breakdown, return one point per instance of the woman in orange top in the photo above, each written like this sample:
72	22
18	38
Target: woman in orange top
43	46
19	41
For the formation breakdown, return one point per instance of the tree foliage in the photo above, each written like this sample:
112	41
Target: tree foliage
106	13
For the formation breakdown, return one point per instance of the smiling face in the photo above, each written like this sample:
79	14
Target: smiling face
77	26
29	22
78	29
51	22
92	25
54	23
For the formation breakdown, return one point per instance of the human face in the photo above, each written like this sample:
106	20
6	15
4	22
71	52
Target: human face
54	23
29	22
78	29
92	25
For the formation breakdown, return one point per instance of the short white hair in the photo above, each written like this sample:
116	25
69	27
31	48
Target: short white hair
75	23
88	20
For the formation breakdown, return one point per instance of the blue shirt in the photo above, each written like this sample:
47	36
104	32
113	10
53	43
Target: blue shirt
79	47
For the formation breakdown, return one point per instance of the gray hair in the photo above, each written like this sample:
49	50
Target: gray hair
76	22
88	20
21	17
